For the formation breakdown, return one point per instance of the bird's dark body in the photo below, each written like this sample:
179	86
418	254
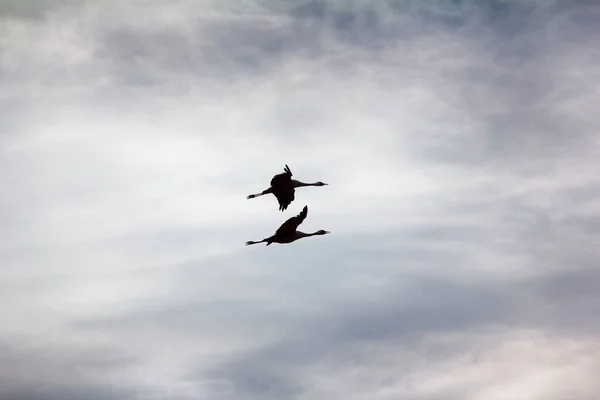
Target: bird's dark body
284	196
283	179
288	228
283	189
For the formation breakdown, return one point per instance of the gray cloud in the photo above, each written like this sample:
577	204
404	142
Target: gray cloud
281	370
65	374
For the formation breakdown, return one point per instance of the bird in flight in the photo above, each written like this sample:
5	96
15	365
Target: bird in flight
283	188
288	231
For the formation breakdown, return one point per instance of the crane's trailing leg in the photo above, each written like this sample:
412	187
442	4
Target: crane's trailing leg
267	240
266	191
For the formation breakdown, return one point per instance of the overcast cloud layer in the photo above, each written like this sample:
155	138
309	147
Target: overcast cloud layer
461	144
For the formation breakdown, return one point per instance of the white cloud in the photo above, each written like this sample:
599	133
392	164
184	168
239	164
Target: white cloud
452	159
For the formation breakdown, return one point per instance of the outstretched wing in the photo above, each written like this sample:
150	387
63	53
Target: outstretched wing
283	179
284	196
290	226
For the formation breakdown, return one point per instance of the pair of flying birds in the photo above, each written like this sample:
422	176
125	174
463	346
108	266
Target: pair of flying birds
283	188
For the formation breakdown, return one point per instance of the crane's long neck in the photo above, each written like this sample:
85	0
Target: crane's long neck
300	235
301	184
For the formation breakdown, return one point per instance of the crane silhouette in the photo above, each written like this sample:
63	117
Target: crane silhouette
288	231
283	188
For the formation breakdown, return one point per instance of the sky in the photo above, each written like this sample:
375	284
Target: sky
460	141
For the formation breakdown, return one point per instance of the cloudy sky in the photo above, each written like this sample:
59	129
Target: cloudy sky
461	144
